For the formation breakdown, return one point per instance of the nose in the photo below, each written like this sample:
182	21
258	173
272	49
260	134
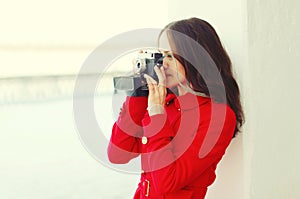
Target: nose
165	63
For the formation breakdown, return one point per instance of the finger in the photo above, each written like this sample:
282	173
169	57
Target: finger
163	80
151	80
151	87
160	72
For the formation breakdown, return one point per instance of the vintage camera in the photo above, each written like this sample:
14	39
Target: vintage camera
135	83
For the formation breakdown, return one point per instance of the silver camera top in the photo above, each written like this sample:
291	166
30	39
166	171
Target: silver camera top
144	57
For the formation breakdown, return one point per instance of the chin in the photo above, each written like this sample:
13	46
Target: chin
171	85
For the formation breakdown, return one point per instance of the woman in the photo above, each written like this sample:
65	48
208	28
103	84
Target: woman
182	129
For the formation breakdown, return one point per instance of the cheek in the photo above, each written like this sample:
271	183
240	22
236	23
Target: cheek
171	82
174	79
181	70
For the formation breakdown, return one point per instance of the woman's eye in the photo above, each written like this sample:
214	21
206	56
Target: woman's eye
169	56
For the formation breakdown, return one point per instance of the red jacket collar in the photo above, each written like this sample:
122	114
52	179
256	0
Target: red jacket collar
186	101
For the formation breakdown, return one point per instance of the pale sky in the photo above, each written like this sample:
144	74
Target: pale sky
55	37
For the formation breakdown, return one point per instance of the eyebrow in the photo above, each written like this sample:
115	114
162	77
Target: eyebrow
165	51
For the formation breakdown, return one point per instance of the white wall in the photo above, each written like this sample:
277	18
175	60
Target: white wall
272	96
229	20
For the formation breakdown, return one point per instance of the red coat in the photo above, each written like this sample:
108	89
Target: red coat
179	149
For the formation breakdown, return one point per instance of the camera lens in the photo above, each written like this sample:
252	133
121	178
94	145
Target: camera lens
159	65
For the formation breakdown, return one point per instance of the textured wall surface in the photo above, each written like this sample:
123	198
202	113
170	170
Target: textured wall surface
273	100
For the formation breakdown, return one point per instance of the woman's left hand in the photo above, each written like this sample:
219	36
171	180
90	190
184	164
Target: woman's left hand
157	92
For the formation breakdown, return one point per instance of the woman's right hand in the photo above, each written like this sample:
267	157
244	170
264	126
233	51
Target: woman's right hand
157	92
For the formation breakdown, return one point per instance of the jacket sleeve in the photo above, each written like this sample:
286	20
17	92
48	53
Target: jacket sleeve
124	142
175	162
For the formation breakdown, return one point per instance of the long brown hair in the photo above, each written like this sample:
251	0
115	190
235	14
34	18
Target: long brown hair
200	75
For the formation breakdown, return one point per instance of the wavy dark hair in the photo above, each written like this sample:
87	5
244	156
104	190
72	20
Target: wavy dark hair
212	54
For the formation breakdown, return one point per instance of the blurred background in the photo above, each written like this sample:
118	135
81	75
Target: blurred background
43	45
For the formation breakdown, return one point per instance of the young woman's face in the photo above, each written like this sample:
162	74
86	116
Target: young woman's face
174	70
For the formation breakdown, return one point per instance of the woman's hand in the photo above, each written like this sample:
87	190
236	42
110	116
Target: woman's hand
157	92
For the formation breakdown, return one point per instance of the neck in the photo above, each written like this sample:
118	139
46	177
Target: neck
181	90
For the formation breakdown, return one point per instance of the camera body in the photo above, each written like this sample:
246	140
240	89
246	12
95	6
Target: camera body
144	64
